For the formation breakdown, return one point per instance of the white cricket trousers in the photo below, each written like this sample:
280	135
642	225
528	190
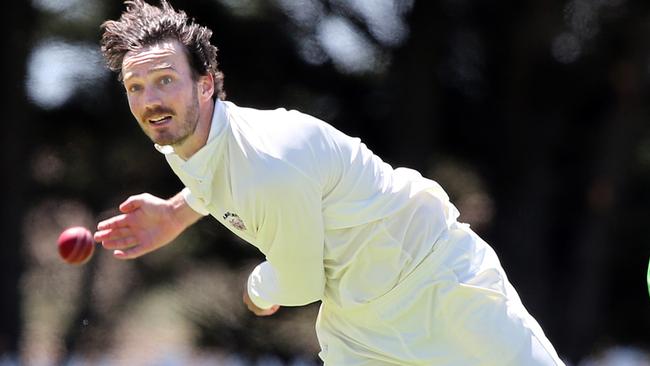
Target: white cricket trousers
456	308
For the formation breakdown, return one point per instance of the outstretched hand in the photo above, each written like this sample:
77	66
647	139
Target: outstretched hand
147	223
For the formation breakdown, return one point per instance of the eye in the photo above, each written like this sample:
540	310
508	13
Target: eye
133	88
166	80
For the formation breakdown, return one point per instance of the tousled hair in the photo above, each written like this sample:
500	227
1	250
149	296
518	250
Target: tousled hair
142	25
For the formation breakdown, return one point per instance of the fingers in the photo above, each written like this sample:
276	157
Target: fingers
256	310
123	243
118	233
116	238
131	253
112	233
113	223
132	203
120	243
266	312
120	240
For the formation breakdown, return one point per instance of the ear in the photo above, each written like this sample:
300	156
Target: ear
206	87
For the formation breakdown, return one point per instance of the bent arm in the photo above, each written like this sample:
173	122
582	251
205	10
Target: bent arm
292	238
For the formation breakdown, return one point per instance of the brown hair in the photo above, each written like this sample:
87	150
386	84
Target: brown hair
142	25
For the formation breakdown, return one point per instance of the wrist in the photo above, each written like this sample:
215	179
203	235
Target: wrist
183	214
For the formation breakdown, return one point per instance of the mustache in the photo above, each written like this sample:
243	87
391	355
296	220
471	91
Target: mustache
157	111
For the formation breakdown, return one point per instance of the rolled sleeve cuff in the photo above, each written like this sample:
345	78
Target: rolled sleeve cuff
194	203
254	285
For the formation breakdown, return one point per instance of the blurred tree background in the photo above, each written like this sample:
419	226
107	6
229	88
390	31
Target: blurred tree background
533	114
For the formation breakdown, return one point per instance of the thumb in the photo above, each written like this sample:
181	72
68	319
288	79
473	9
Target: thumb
132	203
130	253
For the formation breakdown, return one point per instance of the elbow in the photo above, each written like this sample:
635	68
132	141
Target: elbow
303	293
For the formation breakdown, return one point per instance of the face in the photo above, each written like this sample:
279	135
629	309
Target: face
161	92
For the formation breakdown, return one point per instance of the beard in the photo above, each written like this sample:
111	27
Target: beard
176	135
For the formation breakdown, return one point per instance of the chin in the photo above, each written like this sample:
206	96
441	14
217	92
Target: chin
162	140
168	140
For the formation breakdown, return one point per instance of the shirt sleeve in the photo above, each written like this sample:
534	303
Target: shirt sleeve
194	203
291	235
262	276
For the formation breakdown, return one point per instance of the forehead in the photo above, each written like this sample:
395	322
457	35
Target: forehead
161	55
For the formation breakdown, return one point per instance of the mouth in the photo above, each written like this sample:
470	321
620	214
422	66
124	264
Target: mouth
158	121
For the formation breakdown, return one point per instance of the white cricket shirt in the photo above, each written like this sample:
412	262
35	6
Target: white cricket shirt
334	221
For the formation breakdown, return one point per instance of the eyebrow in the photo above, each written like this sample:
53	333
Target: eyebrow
161	67
156	69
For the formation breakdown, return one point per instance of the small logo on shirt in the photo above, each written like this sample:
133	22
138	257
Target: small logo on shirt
234	220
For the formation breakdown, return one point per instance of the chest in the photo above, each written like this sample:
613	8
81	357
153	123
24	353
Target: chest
229	196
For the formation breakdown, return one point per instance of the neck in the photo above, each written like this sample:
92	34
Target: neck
199	138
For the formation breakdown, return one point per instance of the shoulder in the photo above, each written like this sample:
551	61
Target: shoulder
285	134
280	124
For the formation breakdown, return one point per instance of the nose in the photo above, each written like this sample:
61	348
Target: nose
151	98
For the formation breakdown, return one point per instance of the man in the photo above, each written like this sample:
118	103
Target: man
400	280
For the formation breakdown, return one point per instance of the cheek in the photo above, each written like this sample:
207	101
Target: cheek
133	106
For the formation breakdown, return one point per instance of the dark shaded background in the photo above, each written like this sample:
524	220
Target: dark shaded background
532	114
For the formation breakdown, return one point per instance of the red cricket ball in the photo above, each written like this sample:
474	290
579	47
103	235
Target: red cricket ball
76	245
